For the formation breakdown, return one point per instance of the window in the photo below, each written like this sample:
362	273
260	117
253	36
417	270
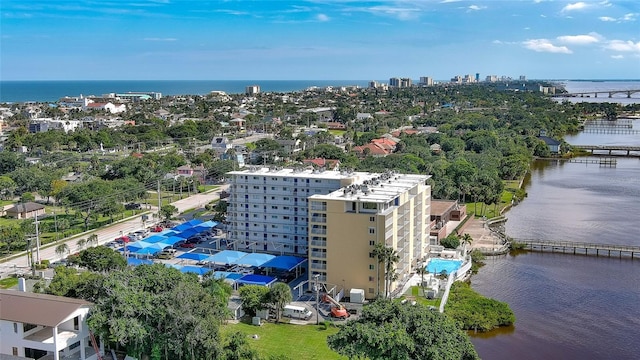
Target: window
372	267
15	328
372	243
371	278
372	255
372	218
372	230
369	206
370	290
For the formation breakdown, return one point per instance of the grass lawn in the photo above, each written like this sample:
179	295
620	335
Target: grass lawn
8	283
416	293
295	341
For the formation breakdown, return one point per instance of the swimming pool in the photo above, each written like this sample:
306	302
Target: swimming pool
437	266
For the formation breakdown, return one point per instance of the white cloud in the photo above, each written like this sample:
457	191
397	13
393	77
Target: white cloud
543	15
322	17
497	42
575	6
402	13
629	17
449	1
544	45
623	46
617	57
606	18
580	39
159	39
476	7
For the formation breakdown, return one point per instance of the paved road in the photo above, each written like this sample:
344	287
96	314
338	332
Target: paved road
20	263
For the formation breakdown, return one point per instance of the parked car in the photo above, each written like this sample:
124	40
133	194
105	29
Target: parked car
187	245
122	239
167	254
156	228
132	206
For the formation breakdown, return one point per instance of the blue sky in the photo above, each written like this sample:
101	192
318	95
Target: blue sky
323	40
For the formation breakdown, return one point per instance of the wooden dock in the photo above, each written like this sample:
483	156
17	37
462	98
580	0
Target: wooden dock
606	162
569	247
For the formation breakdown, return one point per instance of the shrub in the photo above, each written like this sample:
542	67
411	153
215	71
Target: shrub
450	242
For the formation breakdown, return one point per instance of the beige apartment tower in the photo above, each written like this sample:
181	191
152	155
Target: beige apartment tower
345	225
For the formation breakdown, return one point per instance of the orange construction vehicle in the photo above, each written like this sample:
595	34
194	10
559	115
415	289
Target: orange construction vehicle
337	310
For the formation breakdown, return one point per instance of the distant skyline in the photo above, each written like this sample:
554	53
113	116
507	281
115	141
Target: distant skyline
319	40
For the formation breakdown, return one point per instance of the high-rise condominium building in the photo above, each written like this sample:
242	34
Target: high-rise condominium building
345	226
336	218
426	81
268	209
252	90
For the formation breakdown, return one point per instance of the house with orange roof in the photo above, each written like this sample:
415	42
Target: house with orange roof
331	164
373	149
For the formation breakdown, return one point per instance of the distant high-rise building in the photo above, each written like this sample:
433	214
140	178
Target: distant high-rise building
252	90
406	82
395	82
373	84
477	77
457	79
523	78
426	81
492	78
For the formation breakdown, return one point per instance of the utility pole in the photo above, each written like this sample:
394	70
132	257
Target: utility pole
317	288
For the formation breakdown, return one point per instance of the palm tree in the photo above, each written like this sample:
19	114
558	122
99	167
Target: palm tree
389	257
422	270
280	295
466	240
93	239
81	243
62	249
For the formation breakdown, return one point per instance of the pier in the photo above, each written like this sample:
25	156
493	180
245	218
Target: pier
608	162
609	149
579	248
610	130
610	93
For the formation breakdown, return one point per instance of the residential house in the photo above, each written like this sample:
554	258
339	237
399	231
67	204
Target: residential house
553	144
27	210
221	144
373	149
290	146
41	326
197	172
328	164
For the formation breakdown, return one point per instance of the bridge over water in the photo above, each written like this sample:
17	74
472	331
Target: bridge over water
569	247
609	148
610	93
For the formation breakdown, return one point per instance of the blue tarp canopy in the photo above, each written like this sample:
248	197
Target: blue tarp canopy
147	251
253	279
138	245
221	274
193	256
155	238
253	259
234	276
194	269
187	225
284	262
172	240
185	234
136	262
194	222
226	257
166	232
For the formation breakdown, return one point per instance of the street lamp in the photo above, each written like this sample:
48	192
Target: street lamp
317	288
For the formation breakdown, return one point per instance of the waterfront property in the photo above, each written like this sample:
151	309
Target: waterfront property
439	266
570	247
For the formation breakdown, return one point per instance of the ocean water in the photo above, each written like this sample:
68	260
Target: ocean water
50	91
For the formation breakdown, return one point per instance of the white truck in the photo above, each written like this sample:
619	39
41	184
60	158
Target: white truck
296	312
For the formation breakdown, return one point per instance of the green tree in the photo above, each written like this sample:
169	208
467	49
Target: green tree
81	243
167	212
62	250
389	329
280	295
452	241
102	259
237	348
254	298
388	257
7	187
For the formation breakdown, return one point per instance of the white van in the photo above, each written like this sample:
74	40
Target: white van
296	312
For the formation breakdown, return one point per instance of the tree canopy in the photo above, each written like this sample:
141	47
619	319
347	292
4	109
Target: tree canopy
391	330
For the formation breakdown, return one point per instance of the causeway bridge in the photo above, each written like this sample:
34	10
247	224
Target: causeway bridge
608	149
570	247
610	93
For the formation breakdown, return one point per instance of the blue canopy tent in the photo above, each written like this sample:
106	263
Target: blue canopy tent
193	256
167	233
194	222
253	259
155	238
253	279
137	245
147	251
226	257
172	240
185	234
194	269
286	263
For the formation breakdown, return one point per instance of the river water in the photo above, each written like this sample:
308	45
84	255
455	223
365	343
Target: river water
570	306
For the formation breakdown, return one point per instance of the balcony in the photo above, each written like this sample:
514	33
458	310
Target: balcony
318	231
319	219
318	266
319	254
321	243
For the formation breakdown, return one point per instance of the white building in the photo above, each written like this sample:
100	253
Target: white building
268	208
44	326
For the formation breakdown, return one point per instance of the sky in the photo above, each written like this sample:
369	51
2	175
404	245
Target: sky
317	40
